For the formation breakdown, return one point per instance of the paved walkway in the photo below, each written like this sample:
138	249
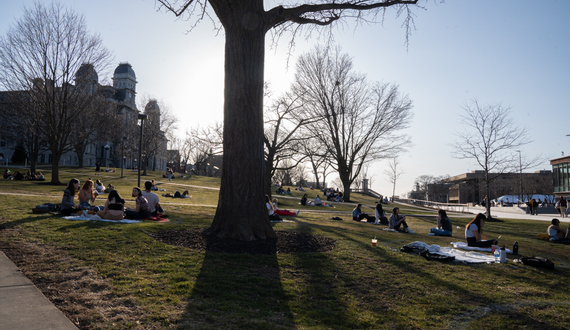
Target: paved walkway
23	306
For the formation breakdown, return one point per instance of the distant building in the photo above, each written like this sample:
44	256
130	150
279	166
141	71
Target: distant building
471	188
561	176
123	97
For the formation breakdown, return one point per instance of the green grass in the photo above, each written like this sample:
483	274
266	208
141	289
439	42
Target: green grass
353	286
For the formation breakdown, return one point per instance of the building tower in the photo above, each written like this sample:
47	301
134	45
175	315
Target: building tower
125	82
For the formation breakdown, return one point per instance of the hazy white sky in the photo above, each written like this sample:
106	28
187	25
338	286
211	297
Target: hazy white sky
509	51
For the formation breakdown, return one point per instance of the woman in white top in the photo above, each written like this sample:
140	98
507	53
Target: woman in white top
473	232
555	231
99	186
380	215
271	209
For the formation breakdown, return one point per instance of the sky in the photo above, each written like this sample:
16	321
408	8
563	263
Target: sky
513	52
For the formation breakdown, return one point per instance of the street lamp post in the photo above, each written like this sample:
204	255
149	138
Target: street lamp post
123	155
142	118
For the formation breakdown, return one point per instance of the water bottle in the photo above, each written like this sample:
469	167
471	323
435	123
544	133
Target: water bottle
497	255
516	248
503	255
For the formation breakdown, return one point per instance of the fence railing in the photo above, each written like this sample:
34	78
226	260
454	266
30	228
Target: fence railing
453	207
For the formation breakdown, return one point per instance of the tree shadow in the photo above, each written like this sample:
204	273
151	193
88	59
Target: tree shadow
238	291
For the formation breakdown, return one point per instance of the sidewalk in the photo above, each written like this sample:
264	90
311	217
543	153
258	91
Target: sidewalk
505	213
23	306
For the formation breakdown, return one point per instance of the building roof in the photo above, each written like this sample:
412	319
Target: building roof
125	68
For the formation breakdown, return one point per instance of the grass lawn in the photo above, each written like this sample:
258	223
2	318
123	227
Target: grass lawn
116	276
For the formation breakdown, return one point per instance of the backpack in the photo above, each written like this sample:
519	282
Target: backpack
538	262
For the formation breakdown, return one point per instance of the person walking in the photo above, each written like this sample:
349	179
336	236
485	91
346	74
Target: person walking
563	205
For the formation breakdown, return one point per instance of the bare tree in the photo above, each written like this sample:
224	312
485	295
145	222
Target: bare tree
203	144
394	172
317	156
241	213
41	54
359	121
22	130
282	136
491	138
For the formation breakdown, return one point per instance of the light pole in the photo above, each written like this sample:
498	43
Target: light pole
520	171
123	155
142	118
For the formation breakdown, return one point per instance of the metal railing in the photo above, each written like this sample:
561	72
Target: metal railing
453	207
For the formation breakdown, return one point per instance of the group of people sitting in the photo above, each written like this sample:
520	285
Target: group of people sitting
316	202
333	195
147	202
444	228
17	175
282	191
396	222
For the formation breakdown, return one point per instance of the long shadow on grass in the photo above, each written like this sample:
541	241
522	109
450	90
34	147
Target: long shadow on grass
29	219
385	271
238	291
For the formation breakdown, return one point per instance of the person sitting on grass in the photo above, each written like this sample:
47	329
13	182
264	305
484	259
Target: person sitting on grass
67	205
380	215
142	210
397	221
555	231
86	195
444	227
99	186
277	211
271	210
114	207
473	232
318	201
152	198
304	199
358	215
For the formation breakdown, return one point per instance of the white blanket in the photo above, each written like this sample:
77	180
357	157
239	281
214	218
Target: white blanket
462	256
95	217
463	246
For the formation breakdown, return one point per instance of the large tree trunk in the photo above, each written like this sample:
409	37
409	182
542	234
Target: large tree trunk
241	212
55	168
80	152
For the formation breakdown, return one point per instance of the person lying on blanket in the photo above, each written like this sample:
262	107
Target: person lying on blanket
555	231
473	232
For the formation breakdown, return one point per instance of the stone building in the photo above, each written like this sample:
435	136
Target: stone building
108	152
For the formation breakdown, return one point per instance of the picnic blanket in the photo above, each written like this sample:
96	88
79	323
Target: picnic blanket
461	256
95	217
463	246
